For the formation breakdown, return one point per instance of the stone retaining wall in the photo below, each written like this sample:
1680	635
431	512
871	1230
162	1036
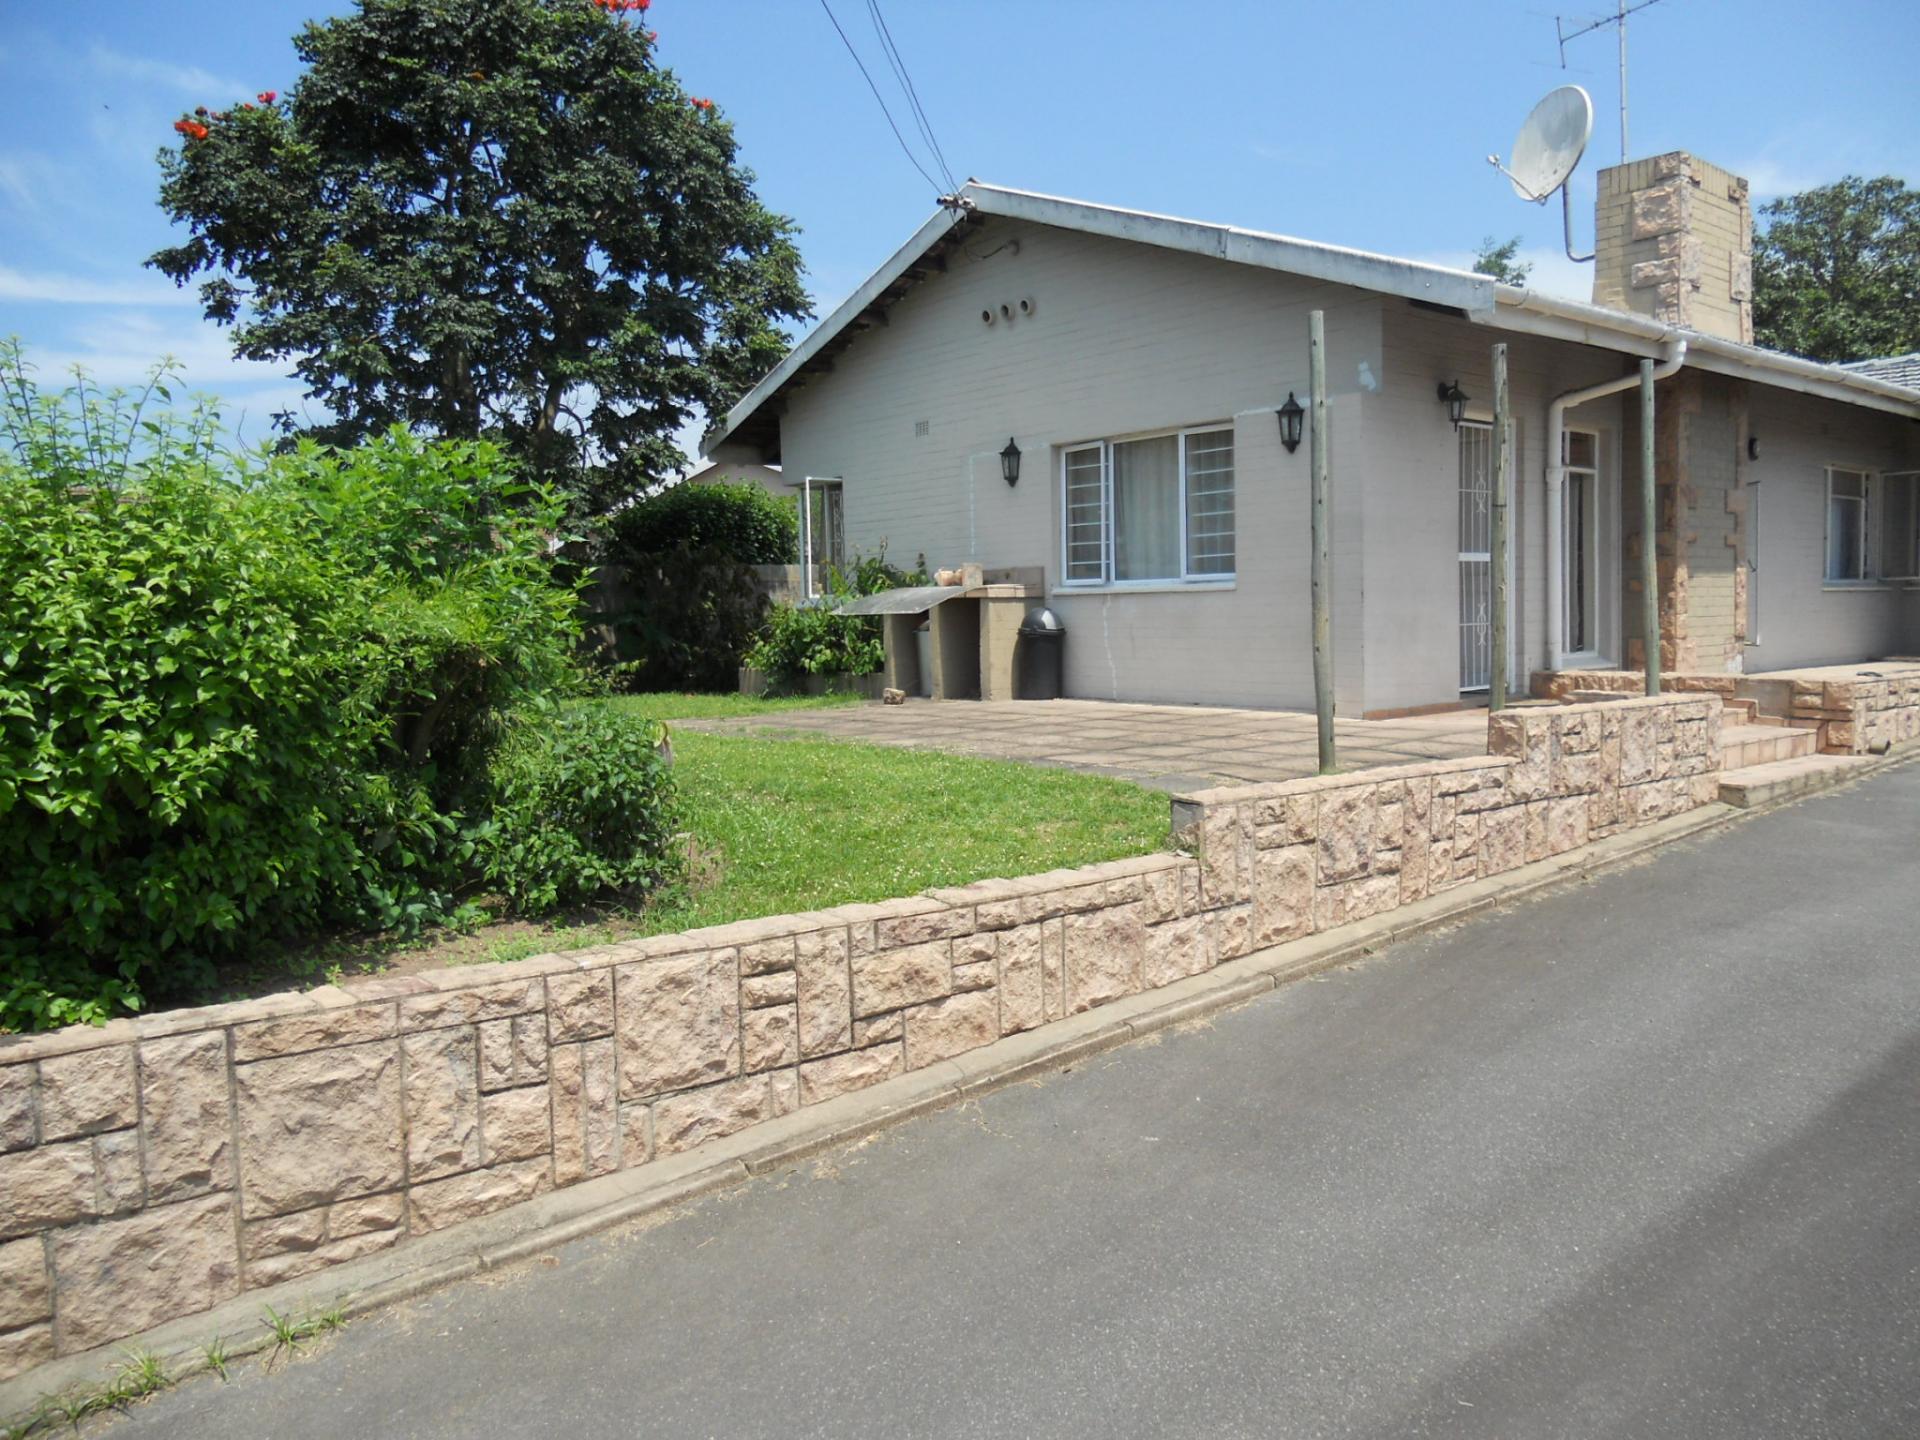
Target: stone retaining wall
1312	854
154	1167
1558	684
1853	716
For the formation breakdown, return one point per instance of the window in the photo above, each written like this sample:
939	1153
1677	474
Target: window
1580	512
1154	509
1846	524
1899	525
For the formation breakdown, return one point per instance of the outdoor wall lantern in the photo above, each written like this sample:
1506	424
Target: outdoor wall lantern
1010	463
1291	414
1455	399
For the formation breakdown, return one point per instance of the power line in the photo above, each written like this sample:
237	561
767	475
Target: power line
899	64
905	149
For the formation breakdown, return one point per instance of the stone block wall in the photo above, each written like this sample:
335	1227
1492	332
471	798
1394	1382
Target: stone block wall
1308	855
154	1167
1854	716
1559	684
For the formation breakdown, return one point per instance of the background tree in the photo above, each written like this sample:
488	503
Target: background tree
1836	271
1497	260
493	218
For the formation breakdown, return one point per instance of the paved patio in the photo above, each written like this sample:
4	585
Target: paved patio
1171	747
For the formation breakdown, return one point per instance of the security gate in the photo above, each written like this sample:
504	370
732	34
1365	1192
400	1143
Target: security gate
1476	555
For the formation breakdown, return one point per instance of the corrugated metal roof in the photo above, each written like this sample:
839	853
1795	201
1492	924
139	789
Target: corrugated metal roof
905	600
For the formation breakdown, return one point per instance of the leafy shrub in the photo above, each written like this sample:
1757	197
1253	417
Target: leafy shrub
459	614
742	522
171	732
810	639
681	619
244	703
582	805
677	601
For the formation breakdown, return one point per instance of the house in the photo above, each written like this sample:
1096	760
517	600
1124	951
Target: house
1130	366
738	469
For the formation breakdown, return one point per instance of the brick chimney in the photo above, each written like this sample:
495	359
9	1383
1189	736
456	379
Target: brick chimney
1673	240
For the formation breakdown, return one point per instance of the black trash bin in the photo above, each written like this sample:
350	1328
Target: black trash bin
1037	656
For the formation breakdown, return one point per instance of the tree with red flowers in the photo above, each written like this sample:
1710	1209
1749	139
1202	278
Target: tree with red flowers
496	218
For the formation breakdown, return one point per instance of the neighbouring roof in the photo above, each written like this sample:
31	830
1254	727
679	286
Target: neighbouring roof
754	420
1894	369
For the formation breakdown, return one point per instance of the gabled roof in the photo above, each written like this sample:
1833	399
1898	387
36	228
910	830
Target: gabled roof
754	419
1894	369
926	252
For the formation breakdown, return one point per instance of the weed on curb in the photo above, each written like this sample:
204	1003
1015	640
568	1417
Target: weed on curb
142	1373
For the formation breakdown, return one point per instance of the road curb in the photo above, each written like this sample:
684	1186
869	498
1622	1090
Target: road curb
535	1227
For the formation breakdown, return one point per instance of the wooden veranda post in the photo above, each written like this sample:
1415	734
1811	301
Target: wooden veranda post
1649	534
1322	543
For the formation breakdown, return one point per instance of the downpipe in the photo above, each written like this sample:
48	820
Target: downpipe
1675	356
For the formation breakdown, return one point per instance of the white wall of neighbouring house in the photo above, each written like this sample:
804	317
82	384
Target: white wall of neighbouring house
1121	339
1805	620
738	465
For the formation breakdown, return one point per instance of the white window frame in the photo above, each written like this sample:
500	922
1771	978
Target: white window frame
1603	582
1910	567
1863	533
1186	579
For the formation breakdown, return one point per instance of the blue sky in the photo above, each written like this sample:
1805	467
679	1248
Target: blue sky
1364	123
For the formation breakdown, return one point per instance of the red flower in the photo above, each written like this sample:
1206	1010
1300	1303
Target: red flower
702	104
191	128
652	35
267	97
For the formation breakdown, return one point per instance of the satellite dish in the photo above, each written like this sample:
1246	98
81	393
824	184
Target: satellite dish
1550	143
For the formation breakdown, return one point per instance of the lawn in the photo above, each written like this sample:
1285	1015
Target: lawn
787	825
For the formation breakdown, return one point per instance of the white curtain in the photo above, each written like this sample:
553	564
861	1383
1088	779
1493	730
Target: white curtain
1146	509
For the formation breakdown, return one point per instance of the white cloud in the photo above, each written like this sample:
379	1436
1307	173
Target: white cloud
1816	156
17	180
51	288
121	347
203	85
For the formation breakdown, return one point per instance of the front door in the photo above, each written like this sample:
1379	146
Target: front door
1476	555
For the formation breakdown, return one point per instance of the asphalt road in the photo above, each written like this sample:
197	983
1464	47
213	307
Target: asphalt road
1641	1158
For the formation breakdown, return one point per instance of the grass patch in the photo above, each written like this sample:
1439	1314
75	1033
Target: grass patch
803	824
782	825
667	705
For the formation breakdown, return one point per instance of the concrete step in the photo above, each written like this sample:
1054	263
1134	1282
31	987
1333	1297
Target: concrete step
1738	711
1742	746
1780	779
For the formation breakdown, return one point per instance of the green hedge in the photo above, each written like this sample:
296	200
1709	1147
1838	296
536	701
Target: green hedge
740	521
246	703
682	604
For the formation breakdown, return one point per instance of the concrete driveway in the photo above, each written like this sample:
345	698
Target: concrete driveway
1636	1159
1172	747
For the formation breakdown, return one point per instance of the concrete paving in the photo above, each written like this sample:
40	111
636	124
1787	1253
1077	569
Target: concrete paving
1171	747
1638	1158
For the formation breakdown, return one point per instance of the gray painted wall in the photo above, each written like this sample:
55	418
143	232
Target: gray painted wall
1803	620
1121	340
1124	339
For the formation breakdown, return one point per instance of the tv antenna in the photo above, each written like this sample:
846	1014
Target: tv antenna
1619	17
1550	143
